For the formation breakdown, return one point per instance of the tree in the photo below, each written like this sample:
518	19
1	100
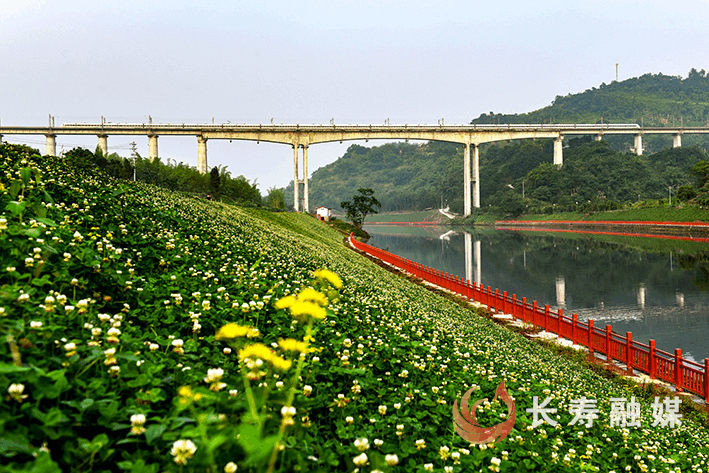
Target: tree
362	204
275	198
701	173
214	181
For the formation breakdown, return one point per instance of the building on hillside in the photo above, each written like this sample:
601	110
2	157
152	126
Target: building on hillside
323	213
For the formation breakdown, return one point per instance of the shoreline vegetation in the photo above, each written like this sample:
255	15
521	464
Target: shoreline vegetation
147	331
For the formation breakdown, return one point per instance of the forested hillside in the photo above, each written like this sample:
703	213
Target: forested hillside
416	176
652	99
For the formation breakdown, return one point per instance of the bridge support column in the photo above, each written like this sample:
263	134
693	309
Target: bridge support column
296	180
466	181
103	144
677	141
202	154
559	151
639	145
0	139
476	177
306	194
153	147
51	145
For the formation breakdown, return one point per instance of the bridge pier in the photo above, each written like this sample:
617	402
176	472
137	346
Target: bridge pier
201	154
103	144
0	139
471	184
677	141
306	194
559	151
51	145
466	180
476	177
296	180
153	147
639	145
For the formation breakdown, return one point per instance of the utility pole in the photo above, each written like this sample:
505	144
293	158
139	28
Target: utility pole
616	72
134	154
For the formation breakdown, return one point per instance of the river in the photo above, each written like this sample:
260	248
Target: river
655	288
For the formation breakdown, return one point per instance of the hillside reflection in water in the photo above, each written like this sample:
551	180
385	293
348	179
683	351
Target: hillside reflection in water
657	289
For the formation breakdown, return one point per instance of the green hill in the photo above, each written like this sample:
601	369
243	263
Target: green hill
408	176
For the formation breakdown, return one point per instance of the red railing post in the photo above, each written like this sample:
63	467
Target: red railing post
574	321
590	336
504	302
546	316
609	355
514	306
629	350
497	299
559	315
534	312
678	369
524	309
653	359
706	380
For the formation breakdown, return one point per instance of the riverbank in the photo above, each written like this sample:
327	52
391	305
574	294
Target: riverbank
689	230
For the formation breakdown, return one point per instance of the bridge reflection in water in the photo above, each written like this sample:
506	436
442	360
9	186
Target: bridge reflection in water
658	291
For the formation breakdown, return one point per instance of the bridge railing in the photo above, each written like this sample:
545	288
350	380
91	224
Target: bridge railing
646	358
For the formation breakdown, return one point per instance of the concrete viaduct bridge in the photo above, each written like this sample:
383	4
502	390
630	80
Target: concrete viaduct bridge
302	136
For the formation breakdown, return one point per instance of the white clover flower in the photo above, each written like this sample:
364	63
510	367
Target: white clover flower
361	444
382	410
230	467
16	392
361	459
35	324
178	343
183	450
428	466
349	419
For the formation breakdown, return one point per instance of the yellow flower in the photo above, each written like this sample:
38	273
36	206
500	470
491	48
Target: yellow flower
256	351
280	363
311	295
330	277
234	331
285	302
291	344
300	309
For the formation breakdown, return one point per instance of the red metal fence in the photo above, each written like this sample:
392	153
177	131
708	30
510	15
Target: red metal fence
672	368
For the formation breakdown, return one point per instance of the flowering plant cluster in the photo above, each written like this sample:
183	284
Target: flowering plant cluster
149	331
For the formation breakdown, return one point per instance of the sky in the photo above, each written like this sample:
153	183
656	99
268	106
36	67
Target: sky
313	61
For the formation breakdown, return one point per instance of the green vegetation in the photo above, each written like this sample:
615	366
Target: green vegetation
404	176
362	204
147	331
177	177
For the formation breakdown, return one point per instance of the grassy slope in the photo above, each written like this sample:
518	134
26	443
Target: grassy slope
410	350
423	216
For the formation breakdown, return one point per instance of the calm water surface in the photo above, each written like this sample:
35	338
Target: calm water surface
657	289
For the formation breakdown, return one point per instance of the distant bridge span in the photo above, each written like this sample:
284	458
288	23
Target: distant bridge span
302	136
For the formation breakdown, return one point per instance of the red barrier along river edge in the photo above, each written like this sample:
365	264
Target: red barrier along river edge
673	368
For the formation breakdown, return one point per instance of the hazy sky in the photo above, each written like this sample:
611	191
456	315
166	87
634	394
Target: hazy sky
308	61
